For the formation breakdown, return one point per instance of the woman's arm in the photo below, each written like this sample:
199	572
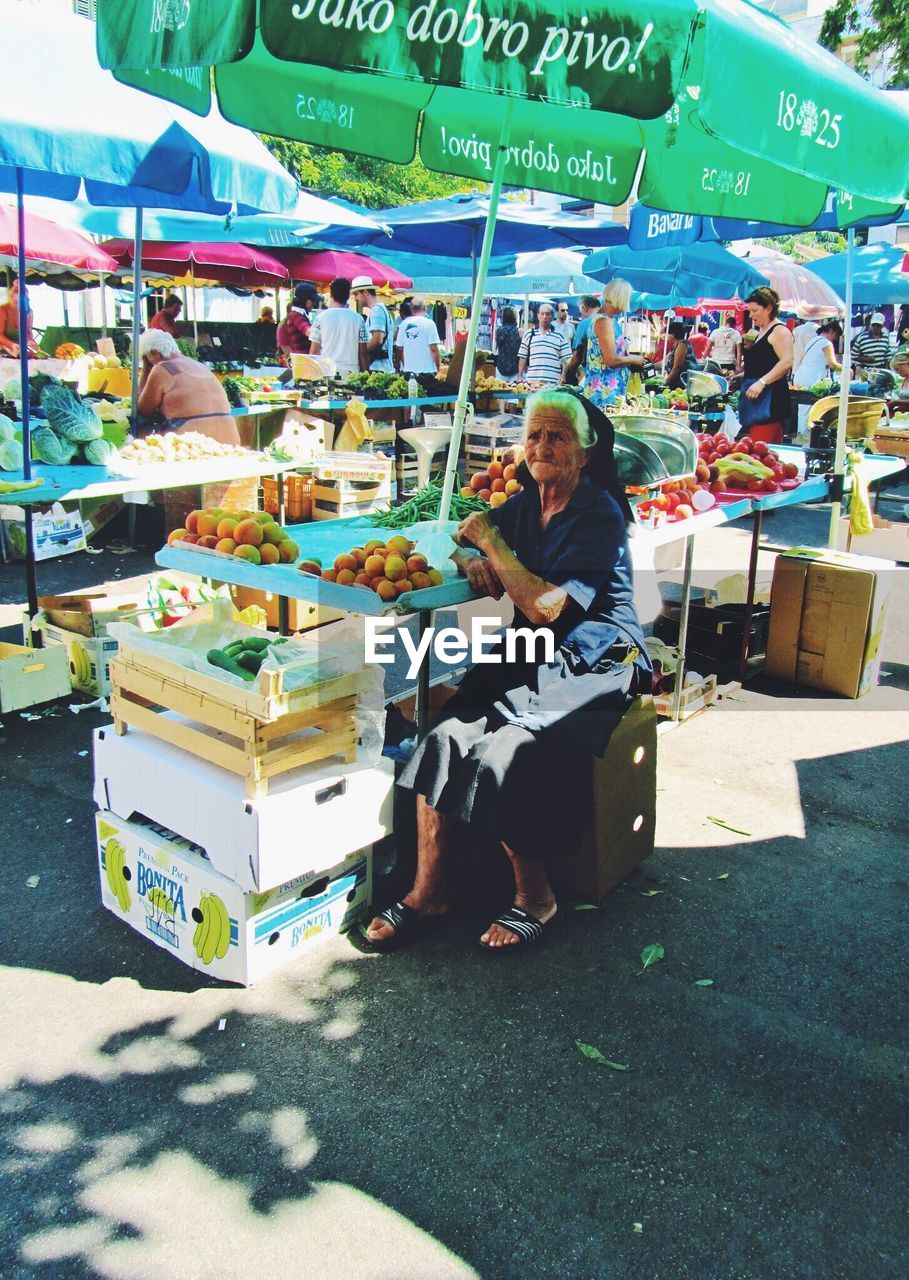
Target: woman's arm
679	357
540	601
151	390
479	573
781	341
830	357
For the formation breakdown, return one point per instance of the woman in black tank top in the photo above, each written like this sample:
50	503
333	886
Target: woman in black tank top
769	361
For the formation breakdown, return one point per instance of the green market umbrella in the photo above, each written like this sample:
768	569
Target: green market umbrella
551	94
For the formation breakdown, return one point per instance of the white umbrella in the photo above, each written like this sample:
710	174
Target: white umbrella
800	290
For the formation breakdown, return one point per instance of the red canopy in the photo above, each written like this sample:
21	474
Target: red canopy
230	262
48	245
323	265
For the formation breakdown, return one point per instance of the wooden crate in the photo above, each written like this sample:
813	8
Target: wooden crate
695	698
297	497
221	729
31	676
232	495
348	498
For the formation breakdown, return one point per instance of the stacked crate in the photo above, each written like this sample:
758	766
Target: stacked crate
350	484
237	820
485	439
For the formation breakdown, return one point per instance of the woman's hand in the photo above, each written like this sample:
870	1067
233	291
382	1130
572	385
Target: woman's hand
482	577
477	529
755	390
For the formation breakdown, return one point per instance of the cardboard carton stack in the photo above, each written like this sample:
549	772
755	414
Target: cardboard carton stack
234	880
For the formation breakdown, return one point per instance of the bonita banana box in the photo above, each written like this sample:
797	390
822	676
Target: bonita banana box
89	659
310	820
166	889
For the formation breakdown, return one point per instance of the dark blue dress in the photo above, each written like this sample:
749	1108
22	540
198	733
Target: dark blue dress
511	751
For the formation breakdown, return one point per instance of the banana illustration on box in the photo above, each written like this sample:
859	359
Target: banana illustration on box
161	902
212	936
118	873
80	664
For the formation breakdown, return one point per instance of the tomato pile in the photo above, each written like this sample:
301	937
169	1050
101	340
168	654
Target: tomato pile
711	449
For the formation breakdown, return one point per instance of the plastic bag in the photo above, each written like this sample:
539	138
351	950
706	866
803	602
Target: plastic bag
435	542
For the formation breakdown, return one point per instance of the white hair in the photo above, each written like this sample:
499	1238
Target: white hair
569	407
618	294
156	340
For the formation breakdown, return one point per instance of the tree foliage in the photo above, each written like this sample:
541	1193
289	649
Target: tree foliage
883	30
375	184
829	241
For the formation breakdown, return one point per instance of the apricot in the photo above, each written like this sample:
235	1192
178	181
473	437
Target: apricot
466	491
374	566
245	551
208	540
373	546
417	564
329	575
345	578
311	566
512	486
400	544
269	553
248	533
206	526
191	538
435	578
480	481
359	554
495	470
385	590
288	551
402	586
226	527
395	568
346	562
273	533
496	499
485	494
263	517
177	535
498	486
509	472
191	519
363	579
226	546
420	581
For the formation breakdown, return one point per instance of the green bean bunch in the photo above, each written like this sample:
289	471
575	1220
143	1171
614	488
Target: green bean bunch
424	505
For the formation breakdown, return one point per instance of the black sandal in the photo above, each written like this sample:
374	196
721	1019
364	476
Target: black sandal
527	927
407	924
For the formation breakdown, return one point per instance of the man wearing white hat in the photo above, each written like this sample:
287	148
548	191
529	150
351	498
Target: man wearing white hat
379	325
871	349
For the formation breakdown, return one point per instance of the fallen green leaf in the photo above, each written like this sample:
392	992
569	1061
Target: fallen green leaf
586	906
651	954
638	1228
704	982
589	1051
651	893
720	822
724	876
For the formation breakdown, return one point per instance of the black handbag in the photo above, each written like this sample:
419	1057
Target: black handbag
753	412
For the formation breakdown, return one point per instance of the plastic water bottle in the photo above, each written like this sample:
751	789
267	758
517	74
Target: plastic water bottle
413	392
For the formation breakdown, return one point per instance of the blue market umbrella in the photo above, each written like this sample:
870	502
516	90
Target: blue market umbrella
456	224
63	122
877	276
675	276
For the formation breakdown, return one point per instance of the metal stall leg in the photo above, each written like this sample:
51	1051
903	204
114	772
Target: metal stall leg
683	629
752	584
425	622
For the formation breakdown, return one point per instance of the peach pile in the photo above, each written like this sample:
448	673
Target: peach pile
495	485
254	536
388	568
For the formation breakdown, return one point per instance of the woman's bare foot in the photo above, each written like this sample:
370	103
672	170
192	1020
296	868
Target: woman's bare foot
498	936
380	930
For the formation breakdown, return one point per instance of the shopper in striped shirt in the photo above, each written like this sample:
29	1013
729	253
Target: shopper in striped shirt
544	351
871	349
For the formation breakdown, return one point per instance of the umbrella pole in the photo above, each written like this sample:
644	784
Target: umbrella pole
839	458
103	305
31	577
451	466
137	303
192	277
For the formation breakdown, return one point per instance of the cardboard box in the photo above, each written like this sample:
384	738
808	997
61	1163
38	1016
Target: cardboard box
827	616
889	541
715	632
88	659
55	531
30	676
167	890
310	819
621	833
301	615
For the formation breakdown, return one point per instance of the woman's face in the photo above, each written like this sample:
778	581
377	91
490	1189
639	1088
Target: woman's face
759	315
551	448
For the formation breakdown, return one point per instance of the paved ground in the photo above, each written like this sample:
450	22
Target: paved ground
428	1114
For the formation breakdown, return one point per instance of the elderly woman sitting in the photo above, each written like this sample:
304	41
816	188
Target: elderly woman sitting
511	752
181	390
